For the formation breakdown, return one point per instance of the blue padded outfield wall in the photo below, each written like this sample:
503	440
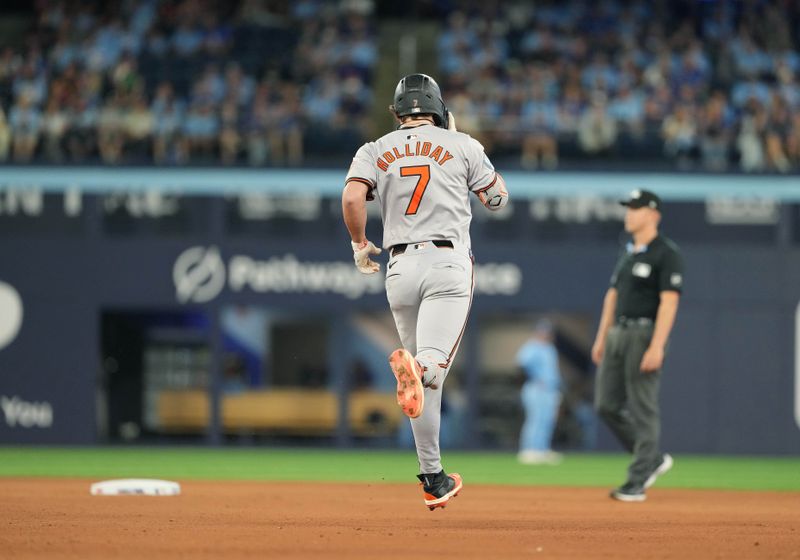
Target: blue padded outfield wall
75	242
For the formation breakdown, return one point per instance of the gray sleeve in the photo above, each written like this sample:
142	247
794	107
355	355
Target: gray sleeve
480	171
363	170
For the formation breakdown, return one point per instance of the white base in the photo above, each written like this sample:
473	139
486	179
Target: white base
135	487
539	457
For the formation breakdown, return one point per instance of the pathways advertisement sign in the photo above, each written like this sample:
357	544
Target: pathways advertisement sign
201	274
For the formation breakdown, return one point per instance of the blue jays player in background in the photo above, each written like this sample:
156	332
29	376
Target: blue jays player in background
541	396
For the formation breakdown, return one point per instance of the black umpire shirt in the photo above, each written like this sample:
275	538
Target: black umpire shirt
640	277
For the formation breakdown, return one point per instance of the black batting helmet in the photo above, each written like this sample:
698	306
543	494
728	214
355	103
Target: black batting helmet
419	94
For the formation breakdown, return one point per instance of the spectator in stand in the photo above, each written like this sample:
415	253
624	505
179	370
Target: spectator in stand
81	136
168	114
750	140
125	77
715	133
456	43
199	132
258	128
597	130
26	126
217	35
776	135
55	123
659	104
793	141
187	39
322	100
468	114
627	108
788	87
355	99
210	87
540	125
680	136
238	86
751	89
110	133
5	136
569	112
10	63
599	75
30	83
286	139
138	126
229	138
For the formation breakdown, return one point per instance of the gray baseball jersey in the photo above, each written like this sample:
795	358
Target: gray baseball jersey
422	177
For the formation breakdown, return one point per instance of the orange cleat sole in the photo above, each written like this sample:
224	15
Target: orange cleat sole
410	393
433	502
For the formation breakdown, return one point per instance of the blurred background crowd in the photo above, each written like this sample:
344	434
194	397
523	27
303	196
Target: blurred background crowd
705	84
173	82
689	85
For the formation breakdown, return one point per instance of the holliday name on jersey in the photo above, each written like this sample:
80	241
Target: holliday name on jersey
439	154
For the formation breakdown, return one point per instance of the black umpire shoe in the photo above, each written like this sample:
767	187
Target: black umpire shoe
629	492
665	465
438	488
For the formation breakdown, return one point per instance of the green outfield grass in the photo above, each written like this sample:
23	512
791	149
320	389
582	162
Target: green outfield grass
690	471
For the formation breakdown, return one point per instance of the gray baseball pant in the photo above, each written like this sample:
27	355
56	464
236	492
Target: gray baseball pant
627	399
429	290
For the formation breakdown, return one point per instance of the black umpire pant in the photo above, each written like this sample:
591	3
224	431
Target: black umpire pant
627	398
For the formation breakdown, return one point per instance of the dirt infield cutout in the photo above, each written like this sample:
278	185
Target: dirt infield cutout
55	519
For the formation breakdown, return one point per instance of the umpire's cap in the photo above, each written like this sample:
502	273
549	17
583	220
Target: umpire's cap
642	199
419	94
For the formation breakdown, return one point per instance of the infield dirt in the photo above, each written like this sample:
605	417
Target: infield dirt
55	519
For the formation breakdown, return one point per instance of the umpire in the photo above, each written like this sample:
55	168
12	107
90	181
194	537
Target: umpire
638	313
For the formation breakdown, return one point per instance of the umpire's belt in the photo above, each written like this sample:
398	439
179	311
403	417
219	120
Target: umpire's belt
400	248
634	321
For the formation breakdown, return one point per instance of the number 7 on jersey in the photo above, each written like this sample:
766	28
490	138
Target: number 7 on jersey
424	174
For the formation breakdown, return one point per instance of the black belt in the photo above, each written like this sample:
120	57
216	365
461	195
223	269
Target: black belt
400	248
634	321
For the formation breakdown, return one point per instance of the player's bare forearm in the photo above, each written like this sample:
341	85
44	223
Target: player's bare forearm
653	357
607	316
665	318
354	210
606	320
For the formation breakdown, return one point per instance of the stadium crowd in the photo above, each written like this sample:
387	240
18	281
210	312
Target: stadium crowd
182	81
710	85
705	85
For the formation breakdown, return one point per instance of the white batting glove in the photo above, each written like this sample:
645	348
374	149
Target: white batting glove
361	254
451	121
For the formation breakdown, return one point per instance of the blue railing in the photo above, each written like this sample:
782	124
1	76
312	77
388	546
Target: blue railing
329	182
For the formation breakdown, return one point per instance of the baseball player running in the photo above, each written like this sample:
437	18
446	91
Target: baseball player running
422	175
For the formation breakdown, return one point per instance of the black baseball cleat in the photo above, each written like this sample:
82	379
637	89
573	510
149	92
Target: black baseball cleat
629	492
665	465
438	488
